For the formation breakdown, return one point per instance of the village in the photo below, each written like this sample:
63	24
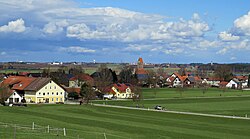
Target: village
39	88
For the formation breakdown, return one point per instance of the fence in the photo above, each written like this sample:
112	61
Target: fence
35	131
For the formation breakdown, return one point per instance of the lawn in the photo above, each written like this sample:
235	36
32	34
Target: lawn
149	93
92	122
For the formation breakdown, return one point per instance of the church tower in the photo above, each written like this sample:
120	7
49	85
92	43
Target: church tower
140	63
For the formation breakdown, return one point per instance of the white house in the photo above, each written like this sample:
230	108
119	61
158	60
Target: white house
14	98
235	83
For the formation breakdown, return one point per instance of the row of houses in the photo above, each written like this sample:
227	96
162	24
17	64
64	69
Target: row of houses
175	80
45	90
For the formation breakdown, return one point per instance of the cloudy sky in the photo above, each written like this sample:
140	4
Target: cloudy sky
160	31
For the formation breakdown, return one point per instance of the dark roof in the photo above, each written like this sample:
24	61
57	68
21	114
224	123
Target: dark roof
37	84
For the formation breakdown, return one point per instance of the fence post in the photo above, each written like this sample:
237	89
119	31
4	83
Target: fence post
48	128
105	136
14	132
33	126
64	131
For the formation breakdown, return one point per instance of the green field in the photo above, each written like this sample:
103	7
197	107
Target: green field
92	122
214	101
190	92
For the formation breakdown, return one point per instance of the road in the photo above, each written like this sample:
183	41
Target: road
176	112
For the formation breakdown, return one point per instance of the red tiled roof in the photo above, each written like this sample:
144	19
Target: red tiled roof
70	90
121	87
241	77
18	82
84	77
141	71
223	83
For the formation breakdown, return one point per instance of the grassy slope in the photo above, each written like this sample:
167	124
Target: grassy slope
92	122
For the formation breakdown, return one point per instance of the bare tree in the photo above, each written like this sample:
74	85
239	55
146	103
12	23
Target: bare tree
223	72
103	78
4	94
138	96
87	92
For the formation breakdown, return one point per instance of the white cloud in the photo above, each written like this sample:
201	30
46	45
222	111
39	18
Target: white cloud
242	45
224	36
3	53
53	27
243	24
76	49
233	58
16	26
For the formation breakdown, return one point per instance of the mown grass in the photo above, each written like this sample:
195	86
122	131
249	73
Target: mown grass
93	122
190	92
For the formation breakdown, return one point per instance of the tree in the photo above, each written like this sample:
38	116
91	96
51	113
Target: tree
104	77
87	92
223	72
126	75
138	96
4	94
248	83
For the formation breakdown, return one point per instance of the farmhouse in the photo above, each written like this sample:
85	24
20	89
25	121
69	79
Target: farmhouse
121	90
34	90
237	84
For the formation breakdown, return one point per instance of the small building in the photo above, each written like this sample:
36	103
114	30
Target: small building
14	97
78	80
237	84
121	91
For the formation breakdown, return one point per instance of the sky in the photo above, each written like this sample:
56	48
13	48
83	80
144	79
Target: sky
159	31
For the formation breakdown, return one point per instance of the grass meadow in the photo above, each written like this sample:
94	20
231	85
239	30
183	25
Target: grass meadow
92	122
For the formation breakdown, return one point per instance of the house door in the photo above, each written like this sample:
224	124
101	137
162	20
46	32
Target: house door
47	100
233	86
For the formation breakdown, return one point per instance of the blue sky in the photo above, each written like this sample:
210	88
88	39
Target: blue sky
160	31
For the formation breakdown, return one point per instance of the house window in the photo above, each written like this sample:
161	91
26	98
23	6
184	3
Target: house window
45	87
56	93
61	99
48	93
56	99
49	81
50	87
61	93
44	94
39	93
122	94
52	99
118	94
52	93
55	87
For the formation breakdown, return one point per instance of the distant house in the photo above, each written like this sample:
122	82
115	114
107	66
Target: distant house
179	81
121	90
35	90
237	84
14	97
214	82
192	81
78	80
